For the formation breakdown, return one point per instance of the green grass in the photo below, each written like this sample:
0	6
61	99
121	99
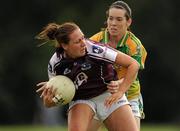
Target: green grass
154	127
45	128
32	128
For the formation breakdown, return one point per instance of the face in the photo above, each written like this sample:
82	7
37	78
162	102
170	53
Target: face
117	23
76	46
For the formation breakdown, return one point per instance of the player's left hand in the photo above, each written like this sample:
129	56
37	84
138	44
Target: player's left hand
113	87
113	98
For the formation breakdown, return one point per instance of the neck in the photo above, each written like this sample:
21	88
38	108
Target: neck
115	39
66	55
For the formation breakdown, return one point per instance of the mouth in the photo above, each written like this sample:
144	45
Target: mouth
113	29
83	50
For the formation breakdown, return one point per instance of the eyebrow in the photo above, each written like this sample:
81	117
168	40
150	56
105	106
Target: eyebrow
77	41
116	17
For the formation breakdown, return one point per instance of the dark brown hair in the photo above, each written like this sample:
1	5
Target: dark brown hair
57	32
121	5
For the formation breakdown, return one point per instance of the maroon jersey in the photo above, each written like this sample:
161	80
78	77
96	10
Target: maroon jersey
90	73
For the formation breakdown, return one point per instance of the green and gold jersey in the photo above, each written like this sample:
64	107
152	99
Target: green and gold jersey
132	46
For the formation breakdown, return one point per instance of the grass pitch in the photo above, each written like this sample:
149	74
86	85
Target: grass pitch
47	128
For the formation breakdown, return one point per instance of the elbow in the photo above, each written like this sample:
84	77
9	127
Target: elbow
136	65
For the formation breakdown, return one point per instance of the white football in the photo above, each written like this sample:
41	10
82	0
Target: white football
65	89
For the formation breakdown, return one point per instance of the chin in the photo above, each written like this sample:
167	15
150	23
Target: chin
113	33
83	54
79	55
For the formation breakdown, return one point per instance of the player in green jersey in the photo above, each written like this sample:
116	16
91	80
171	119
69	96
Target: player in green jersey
118	36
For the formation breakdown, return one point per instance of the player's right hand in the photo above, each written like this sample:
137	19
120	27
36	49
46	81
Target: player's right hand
47	94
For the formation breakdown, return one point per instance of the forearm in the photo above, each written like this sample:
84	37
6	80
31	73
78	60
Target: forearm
129	77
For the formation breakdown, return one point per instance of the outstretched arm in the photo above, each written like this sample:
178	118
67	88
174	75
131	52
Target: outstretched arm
132	70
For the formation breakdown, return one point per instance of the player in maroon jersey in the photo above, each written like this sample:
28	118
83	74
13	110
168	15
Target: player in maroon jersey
89	66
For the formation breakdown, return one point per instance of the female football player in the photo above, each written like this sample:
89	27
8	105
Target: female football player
118	36
89	65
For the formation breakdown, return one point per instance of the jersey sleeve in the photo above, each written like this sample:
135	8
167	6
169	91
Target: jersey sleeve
97	37
97	51
51	66
137	51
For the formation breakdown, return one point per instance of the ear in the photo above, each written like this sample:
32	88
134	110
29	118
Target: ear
64	46
129	22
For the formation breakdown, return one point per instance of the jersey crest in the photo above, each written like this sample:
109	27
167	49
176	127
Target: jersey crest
85	66
67	71
80	79
97	49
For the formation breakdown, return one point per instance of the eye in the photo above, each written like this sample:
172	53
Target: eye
120	19
83	38
80	40
110	18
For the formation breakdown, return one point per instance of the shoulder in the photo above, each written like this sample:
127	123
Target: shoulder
133	40
55	59
94	47
136	49
53	63
98	36
133	43
100	51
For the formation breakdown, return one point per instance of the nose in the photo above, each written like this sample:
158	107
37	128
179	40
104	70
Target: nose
113	22
83	42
